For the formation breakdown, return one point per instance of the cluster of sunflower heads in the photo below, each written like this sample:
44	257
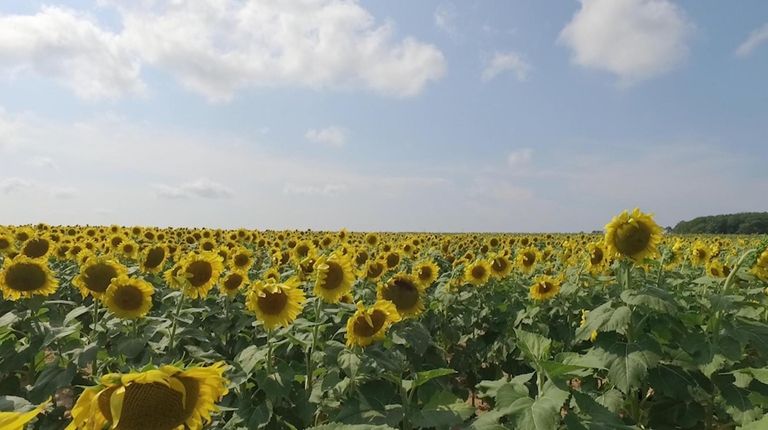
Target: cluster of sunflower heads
164	398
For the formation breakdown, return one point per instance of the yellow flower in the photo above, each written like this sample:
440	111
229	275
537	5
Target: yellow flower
242	259
232	282
37	247
370	324
597	257
129	298
761	266
716	269
426	273
304	249
199	273
477	273
276	304
334	277
501	267
17	420
24	277
96	274
153	258
527	259
374	269
405	292
700	253
544	288
167	398
634	235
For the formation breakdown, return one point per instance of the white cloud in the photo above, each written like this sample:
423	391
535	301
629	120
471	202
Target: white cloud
43	163
633	39
71	48
64	192
331	136
445	18
755	39
506	62
520	158
217	47
202	187
12	184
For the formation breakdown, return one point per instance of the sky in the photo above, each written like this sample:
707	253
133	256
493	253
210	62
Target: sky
463	115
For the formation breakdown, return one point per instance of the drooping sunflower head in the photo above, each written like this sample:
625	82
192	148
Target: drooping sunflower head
370	324
477	273
24	277
200	272
405	292
544	287
232	282
276	304
634	235
153	258
527	259
426	272
334	277
165	398
128	298
37	247
96	274
500	265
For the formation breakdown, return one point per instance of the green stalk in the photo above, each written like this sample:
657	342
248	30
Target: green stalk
315	333
175	323
269	352
728	281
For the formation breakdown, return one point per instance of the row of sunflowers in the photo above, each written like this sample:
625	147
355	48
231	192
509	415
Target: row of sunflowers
173	328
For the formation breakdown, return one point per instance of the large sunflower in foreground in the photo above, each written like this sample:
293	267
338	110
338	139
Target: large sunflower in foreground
200	272
276	304
544	288
129	298
96	274
405	292
24	277
166	398
635	235
334	277
17	420
370	324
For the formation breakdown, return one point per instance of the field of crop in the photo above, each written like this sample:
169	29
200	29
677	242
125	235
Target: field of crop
157	328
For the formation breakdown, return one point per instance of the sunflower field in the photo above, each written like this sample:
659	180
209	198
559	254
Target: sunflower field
172	328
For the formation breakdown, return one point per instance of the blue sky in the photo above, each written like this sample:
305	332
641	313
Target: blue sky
397	115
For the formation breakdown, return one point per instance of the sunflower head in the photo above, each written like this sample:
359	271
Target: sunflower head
232	282
276	304
545	287
370	324
24	277
37	247
374	269
405	292
527	259
153	258
96	274
334	277
241	258
426	272
128	298
500	265
760	269
477	273
163	398
700	253
634	235
199	272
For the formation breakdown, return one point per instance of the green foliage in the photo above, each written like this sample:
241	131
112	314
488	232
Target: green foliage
740	223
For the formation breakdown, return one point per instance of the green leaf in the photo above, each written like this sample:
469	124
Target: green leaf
339	426
628	363
250	357
604	319
597	415
544	412
426	376
349	362
74	313
760	424
443	409
131	348
651	297
534	346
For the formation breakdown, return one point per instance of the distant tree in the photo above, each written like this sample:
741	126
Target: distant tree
740	223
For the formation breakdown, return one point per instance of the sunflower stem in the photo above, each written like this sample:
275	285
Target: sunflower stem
269	352
315	331
175	323
728	281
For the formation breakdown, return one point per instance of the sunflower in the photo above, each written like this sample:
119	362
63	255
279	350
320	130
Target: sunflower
271	274
371	239
544	288
426	273
370	324
37	247
129	298
760	269
477	273
392	259
200	272
165	398
24	277
153	258
17	420
527	259
96	274
374	269
634	235
6	243
129	249
597	257
276	304
232	282
500	265
241	258
405	292
700	253
304	249
334	277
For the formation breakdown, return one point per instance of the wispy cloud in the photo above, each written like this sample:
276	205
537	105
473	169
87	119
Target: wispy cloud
506	62
332	136
202	187
12	184
756	38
